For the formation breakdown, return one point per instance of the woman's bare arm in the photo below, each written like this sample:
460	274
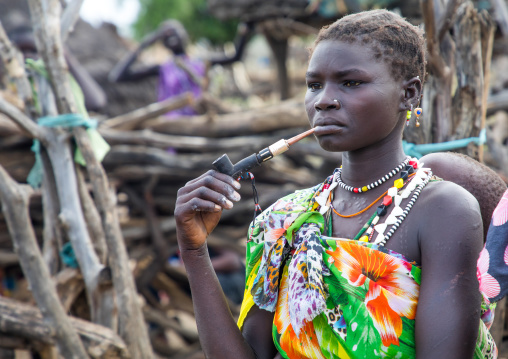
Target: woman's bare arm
198	209
448	313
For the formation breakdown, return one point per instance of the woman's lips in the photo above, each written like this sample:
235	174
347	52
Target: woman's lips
327	130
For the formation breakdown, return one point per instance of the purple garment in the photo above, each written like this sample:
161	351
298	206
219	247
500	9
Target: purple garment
174	81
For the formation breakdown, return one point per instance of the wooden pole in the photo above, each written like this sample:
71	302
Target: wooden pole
46	18
24	321
15	200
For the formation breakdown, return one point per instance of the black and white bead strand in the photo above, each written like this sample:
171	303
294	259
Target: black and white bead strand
374	184
410	204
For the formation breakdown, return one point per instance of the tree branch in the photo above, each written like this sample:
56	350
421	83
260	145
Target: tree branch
130	318
14	65
22	120
69	18
23	321
436	61
448	18
15	200
46	26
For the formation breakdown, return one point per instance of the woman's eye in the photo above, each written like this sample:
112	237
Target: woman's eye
314	86
352	83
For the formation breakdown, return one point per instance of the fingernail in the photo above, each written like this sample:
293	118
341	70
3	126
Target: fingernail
235	196
237	184
217	208
228	203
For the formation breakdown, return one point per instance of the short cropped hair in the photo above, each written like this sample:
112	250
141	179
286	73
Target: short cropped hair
391	37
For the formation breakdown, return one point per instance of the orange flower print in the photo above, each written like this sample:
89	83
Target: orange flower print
391	292
304	346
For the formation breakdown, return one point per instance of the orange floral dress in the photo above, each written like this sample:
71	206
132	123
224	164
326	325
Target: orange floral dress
332	298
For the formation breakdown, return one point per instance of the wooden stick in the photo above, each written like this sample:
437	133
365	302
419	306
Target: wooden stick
132	327
289	114
14	65
15	200
488	28
131	120
69	18
23	121
447	19
24	321
193	143
501	14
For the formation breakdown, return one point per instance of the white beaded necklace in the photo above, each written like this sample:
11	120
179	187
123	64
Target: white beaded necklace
397	215
338	178
395	195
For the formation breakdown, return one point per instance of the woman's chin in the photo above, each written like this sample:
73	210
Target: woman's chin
331	148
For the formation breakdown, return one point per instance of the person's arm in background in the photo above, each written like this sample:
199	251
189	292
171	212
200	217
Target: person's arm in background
123	71
245	31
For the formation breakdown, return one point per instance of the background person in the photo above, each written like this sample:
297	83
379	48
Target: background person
179	74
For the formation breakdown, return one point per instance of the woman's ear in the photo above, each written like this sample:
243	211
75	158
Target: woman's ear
412	93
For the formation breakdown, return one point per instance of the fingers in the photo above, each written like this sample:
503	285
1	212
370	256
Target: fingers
201	205
211	192
206	199
220	176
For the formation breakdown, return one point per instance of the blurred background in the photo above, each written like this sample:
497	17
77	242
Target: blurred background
175	84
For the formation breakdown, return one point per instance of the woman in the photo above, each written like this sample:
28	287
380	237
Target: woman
377	261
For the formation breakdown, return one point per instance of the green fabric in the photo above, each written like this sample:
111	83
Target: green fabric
372	293
308	217
99	145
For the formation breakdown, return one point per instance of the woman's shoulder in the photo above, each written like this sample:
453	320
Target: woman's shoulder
447	209
441	195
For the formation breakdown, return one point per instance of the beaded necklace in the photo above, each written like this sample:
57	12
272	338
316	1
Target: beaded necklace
363	210
395	195
375	183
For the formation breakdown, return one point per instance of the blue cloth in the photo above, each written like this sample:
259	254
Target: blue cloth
421	150
66	121
68	256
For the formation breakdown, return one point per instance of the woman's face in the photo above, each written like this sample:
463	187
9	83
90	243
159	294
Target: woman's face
370	109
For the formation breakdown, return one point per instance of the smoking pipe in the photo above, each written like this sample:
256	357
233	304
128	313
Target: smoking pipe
224	165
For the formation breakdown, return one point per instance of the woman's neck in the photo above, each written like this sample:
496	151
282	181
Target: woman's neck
366	166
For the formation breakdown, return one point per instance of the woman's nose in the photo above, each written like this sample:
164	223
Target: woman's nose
327	104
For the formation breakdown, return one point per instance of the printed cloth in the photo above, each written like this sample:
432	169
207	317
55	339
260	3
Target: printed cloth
332	298
173	81
492	267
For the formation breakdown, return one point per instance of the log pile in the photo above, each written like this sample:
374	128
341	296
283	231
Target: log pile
118	215
150	158
126	209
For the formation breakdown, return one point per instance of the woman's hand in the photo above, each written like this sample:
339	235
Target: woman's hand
199	205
